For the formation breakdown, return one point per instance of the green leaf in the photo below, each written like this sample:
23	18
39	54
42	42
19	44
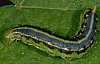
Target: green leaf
60	16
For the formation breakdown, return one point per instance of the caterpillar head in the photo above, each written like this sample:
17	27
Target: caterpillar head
8	37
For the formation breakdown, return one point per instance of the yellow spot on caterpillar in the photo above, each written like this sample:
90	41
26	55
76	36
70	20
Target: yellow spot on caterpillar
65	49
83	29
95	31
87	15
87	45
91	41
84	26
35	37
49	43
80	34
81	49
96	19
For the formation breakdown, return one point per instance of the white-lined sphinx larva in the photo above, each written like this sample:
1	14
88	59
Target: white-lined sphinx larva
54	44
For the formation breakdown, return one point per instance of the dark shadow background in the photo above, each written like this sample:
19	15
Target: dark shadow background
5	2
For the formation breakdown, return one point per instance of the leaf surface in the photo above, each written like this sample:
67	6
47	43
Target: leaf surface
60	16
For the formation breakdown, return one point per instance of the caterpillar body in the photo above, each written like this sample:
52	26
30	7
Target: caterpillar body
54	44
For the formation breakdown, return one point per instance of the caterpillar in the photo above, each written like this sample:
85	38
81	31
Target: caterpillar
54	44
